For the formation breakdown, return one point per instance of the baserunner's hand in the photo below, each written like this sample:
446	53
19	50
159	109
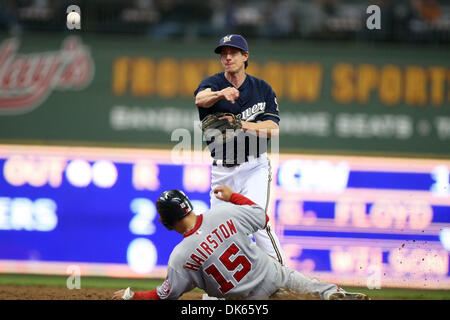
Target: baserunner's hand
223	193
124	294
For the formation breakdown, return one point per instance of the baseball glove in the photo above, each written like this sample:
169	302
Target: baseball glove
212	121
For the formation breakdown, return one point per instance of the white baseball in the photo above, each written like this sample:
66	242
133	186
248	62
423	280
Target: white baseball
73	17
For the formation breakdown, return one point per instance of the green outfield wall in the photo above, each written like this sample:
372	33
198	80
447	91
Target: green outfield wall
346	98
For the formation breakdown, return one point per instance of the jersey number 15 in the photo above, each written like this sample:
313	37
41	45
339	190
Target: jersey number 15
231	265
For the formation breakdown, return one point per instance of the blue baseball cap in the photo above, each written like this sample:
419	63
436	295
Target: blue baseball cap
232	40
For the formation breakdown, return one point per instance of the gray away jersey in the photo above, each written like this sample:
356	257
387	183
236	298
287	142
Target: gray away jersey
218	256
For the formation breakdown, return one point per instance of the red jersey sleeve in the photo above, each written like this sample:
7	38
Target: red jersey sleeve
239	199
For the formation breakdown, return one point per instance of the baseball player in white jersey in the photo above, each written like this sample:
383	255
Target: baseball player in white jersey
218	256
244	166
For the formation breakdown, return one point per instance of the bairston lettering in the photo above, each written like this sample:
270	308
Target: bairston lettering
211	243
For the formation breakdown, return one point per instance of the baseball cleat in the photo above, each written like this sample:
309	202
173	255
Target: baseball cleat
347	296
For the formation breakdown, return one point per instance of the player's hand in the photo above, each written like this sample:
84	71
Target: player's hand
230	94
123	294
223	193
118	294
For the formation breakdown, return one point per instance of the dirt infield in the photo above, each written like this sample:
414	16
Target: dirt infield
11	292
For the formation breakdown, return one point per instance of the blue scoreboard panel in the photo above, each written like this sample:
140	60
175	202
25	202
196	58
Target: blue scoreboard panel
350	220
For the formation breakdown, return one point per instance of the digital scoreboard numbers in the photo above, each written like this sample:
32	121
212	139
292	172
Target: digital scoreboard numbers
90	208
350	220
370	222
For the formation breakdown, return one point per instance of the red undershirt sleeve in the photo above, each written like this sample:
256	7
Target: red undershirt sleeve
240	200
146	295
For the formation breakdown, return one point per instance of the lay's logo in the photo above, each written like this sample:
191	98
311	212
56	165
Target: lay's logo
26	80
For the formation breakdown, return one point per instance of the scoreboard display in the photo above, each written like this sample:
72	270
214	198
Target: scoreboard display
361	221
365	221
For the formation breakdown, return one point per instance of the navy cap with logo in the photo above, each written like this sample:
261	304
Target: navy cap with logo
232	40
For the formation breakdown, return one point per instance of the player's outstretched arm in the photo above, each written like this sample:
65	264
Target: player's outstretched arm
128	294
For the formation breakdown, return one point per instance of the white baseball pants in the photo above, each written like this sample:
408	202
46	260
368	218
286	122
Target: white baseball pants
251	179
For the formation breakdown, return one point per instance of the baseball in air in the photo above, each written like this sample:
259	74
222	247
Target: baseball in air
73	18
